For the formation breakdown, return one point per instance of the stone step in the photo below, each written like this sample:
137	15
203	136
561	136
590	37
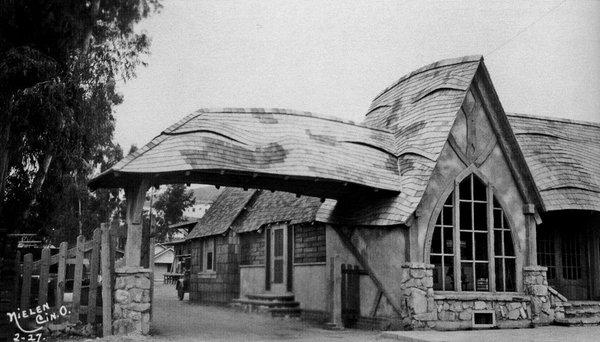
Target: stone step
571	321
271	296
267	303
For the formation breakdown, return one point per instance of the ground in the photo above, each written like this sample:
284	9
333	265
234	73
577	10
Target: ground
182	321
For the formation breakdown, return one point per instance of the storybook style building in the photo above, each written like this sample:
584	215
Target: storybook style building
439	211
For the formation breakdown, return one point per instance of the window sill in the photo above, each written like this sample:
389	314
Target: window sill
484	296
207	274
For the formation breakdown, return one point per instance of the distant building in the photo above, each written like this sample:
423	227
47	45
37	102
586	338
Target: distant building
204	196
163	260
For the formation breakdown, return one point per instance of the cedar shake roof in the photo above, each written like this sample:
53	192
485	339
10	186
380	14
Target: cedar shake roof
222	213
277	147
371	174
420	110
564	158
271	207
245	211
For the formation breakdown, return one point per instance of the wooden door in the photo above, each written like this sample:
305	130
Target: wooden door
278	267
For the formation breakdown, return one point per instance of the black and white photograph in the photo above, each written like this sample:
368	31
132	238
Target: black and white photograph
244	170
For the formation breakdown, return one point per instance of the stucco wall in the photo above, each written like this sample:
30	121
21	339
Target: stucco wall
310	286
252	279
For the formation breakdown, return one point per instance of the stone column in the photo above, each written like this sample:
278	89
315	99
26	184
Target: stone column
132	301
535	285
416	286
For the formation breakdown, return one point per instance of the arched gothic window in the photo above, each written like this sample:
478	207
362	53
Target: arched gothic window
473	220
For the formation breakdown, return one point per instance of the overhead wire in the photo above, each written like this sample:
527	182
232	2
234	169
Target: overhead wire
525	29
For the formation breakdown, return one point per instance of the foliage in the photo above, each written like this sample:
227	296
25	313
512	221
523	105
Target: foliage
169	208
59	64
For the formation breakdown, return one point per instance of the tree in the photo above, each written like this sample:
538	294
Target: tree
59	64
169	207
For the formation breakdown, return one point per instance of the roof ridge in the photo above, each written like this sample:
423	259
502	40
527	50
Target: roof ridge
551	118
283	111
431	66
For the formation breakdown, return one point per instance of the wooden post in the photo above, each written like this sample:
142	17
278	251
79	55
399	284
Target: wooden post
62	270
529	211
77	279
94	264
18	270
26	286
135	195
106	281
44	273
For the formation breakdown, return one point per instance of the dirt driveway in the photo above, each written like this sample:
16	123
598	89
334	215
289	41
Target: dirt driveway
176	320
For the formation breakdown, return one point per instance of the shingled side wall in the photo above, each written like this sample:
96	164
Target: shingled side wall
309	243
222	286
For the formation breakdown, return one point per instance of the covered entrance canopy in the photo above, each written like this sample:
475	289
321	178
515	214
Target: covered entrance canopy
273	149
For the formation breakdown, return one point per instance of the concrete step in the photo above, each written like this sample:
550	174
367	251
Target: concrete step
275	305
286	312
271	296
267	303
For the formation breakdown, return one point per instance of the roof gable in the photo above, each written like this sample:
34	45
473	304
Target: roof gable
420	110
271	207
221	215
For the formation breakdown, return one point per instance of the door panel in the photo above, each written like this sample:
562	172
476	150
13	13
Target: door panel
278	259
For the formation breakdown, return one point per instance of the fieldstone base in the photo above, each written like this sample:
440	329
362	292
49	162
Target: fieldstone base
132	301
535	285
416	286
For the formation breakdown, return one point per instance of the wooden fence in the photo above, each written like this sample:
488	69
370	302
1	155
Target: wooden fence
80	270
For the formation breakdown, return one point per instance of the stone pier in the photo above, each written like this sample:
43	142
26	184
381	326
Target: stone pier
418	301
132	301
535	285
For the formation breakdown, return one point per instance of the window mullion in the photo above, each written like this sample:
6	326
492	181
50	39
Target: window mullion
490	224
456	236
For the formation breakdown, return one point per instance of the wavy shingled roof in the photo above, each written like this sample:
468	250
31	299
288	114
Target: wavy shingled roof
419	110
222	146
564	159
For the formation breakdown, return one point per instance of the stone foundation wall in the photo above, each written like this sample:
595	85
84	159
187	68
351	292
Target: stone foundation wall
424	309
455	311
132	301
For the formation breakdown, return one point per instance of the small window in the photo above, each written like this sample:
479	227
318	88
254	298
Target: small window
208	250
484	319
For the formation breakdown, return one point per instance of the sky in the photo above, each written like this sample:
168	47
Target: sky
334	57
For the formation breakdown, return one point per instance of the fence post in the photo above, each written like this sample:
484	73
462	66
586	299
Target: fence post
44	273
94	264
62	270
77	279
106	281
26	287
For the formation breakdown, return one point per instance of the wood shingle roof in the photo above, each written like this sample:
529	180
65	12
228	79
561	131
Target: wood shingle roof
564	159
374	173
215	146
419	109
222	213
245	211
